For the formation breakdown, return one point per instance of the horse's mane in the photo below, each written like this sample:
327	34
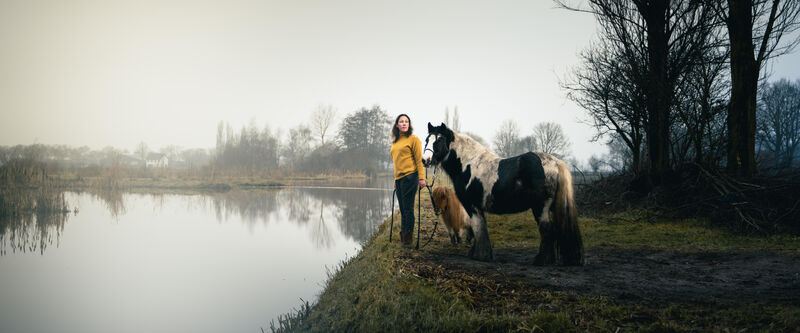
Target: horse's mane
482	160
466	145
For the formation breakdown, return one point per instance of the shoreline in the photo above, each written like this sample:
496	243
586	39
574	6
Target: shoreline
220	184
665	275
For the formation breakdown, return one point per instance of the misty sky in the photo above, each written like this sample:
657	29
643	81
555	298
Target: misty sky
116	73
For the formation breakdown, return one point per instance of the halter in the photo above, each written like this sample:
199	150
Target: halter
426	147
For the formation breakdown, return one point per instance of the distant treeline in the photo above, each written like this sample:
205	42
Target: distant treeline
83	157
360	145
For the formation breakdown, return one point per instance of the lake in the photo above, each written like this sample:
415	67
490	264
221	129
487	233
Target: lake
211	262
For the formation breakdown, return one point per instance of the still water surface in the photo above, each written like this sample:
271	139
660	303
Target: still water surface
227	262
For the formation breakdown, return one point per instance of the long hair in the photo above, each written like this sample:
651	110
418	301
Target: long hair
570	242
396	131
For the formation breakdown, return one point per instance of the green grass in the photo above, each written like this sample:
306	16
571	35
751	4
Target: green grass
626	230
389	289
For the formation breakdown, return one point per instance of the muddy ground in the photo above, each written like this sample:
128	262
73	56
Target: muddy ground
624	275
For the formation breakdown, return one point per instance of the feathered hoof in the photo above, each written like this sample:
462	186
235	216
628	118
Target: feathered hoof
544	260
481	253
573	261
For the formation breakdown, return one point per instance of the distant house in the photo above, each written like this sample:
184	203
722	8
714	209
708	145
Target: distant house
156	160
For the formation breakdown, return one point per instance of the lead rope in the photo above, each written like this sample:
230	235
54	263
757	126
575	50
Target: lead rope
419	216
391	225
433	203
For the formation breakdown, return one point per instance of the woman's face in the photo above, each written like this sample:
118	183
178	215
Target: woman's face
402	124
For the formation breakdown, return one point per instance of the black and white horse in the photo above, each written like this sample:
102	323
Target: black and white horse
486	183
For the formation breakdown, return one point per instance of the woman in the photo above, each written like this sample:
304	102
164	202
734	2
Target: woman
409	174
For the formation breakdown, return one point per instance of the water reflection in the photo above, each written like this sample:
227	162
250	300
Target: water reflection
113	201
355	213
321	235
34	229
31	220
210	262
30	232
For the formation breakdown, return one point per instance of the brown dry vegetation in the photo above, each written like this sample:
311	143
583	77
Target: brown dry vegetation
759	204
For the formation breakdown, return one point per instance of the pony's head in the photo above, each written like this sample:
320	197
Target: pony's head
442	138
440	198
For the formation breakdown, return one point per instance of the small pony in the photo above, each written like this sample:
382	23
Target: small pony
455	218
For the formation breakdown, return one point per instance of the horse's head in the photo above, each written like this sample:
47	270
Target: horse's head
442	138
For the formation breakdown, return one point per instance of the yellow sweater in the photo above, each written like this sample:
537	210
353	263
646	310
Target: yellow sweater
404	162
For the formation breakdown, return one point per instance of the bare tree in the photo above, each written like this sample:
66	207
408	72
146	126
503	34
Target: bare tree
251	151
506	139
527	143
576	167
619	157
220	137
755	29
657	41
321	121
700	105
298	146
549	138
141	151
779	121
456	120
453	122
172	151
609	87
195	157
595	163
110	155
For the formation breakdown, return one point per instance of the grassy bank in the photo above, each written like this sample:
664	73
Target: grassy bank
386	288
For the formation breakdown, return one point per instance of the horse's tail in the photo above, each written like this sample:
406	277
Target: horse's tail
570	242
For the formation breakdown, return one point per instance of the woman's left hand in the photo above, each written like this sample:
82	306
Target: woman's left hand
421	183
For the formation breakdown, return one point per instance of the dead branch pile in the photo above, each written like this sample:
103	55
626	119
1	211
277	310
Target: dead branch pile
765	204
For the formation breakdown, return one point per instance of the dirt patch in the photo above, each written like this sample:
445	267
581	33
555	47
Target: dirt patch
620	274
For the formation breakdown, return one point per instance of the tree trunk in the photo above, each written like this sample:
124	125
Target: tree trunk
744	91
705	116
658	90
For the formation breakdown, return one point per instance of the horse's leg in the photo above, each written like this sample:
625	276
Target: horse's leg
547	253
482	247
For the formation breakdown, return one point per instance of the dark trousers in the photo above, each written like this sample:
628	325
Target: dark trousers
406	188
